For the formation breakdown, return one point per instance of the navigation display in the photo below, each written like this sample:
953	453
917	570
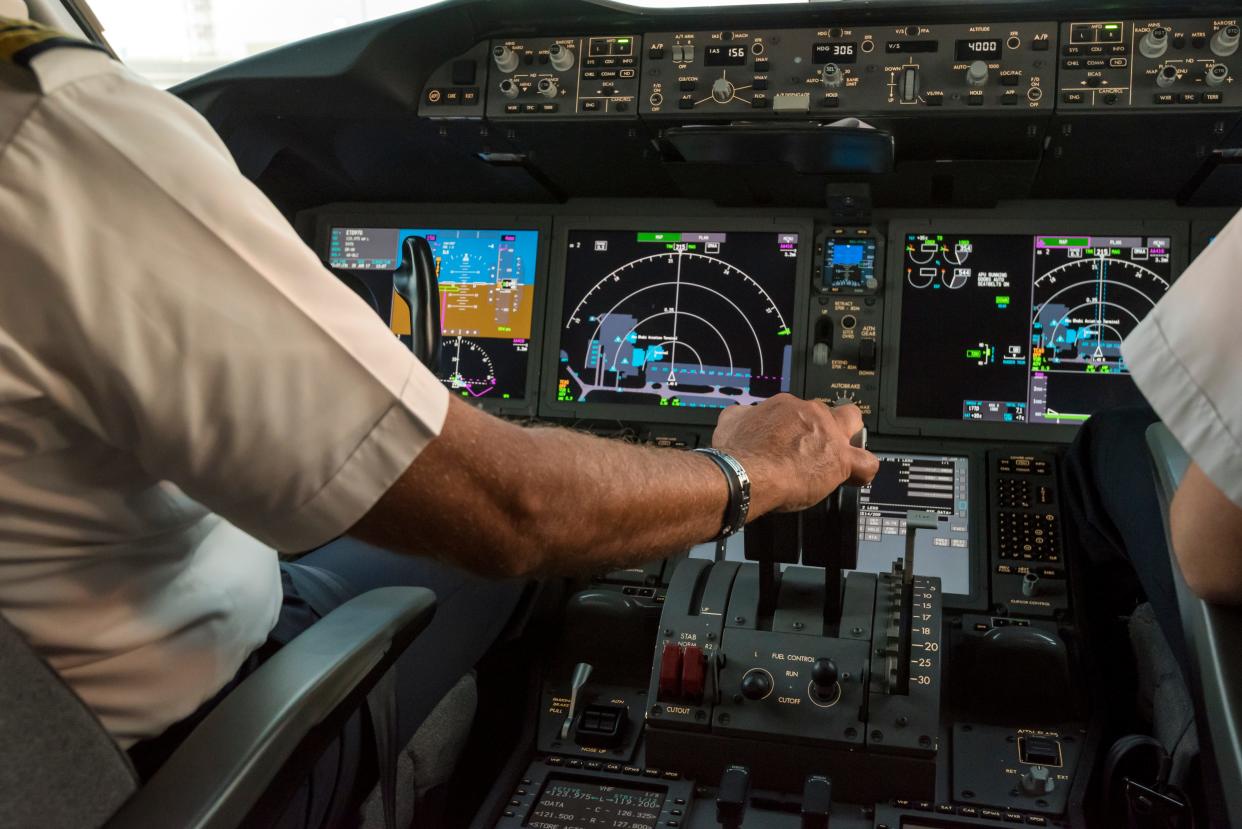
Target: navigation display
573	804
487	298
680	319
1021	328
926	483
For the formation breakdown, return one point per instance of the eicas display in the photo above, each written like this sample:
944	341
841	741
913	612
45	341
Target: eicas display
681	319
1020	328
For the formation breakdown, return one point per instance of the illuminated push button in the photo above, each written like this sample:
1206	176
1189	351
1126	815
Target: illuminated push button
670	673
693	673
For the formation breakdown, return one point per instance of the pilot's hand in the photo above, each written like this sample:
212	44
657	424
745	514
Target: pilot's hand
795	451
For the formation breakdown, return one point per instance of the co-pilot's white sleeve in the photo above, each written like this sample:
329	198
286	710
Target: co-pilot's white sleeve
1186	357
170	308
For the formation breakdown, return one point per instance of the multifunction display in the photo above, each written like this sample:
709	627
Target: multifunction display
1021	328
924	483
574	804
487	299
693	319
849	265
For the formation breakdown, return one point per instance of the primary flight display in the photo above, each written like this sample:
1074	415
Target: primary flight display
1022	328
693	319
487	299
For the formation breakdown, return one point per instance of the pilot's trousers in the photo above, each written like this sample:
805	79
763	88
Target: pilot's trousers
470	614
1110	498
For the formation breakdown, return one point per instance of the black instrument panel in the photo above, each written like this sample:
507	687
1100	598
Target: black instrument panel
955	326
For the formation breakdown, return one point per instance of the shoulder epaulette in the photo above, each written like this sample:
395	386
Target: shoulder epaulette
21	41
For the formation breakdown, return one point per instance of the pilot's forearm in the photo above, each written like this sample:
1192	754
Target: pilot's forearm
502	500
1207	538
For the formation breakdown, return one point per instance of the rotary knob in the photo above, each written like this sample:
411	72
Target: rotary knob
1155	42
509	88
977	73
546	87
561	56
506	59
722	91
1216	74
1167	76
831	75
756	684
1225	41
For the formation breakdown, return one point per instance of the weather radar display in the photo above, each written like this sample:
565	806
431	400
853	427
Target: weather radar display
487	298
1021	328
684	319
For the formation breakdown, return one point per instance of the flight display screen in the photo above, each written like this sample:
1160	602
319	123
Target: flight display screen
849	264
572	804
1022	328
680	319
487	299
925	483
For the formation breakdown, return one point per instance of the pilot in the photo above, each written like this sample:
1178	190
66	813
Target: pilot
1185	357
185	391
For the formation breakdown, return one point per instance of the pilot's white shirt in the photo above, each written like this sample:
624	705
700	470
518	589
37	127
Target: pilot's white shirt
183	390
1186	357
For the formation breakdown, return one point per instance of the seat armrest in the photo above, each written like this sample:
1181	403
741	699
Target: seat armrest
222	769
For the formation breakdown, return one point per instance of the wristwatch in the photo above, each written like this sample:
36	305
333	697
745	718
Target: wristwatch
739	490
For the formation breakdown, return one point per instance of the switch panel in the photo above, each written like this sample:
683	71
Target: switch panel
541	77
851	68
1187	63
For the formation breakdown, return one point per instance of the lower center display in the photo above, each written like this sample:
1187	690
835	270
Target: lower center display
571	804
686	319
927	483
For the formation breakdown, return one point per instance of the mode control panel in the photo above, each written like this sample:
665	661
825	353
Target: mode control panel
543	77
854	69
1187	63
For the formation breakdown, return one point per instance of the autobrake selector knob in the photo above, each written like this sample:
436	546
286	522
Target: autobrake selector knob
1216	74
506	59
1167	75
1155	42
1225	41
756	684
561	56
722	91
831	75
546	87
977	73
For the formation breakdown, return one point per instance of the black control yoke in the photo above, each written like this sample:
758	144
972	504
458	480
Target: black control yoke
415	282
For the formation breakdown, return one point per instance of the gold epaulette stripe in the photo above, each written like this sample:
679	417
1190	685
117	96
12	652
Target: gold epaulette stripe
21	41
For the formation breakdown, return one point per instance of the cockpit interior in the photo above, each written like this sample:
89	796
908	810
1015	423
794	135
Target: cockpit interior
625	219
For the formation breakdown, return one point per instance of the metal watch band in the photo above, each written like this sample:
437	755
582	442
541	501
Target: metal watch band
739	490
